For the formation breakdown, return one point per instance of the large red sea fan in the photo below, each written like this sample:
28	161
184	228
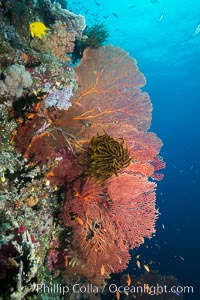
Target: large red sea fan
111	217
108	92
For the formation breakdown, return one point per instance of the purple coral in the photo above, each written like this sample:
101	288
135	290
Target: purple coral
59	98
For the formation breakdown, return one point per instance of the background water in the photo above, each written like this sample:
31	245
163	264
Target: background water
163	36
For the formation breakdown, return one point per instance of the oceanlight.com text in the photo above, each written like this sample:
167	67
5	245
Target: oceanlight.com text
151	289
59	289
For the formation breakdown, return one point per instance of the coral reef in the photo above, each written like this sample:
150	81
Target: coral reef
9	34
20	261
59	98
59	43
29	204
106	138
105	73
74	22
76	161
9	157
16	78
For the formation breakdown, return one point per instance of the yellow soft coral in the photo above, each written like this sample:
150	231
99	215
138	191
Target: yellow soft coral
38	29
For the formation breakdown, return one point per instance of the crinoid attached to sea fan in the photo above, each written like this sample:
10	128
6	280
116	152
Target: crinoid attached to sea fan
93	37
96	35
105	157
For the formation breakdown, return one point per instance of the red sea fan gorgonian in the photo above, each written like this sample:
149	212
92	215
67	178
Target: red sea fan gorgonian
113	213
108	93
116	215
107	221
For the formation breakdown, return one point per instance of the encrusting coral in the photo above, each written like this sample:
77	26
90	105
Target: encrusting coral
16	79
59	98
58	43
29	204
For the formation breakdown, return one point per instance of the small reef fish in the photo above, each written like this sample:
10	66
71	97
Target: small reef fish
3	179
128	280
117	295
102	270
197	30
76	193
66	261
161	17
119	259
79	220
38	29
147	268
30	115
25	57
176	293
115	15
138	264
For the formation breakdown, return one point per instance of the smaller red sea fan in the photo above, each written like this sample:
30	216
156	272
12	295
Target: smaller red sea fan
109	218
95	234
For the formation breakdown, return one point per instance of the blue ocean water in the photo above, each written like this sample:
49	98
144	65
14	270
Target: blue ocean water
164	37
